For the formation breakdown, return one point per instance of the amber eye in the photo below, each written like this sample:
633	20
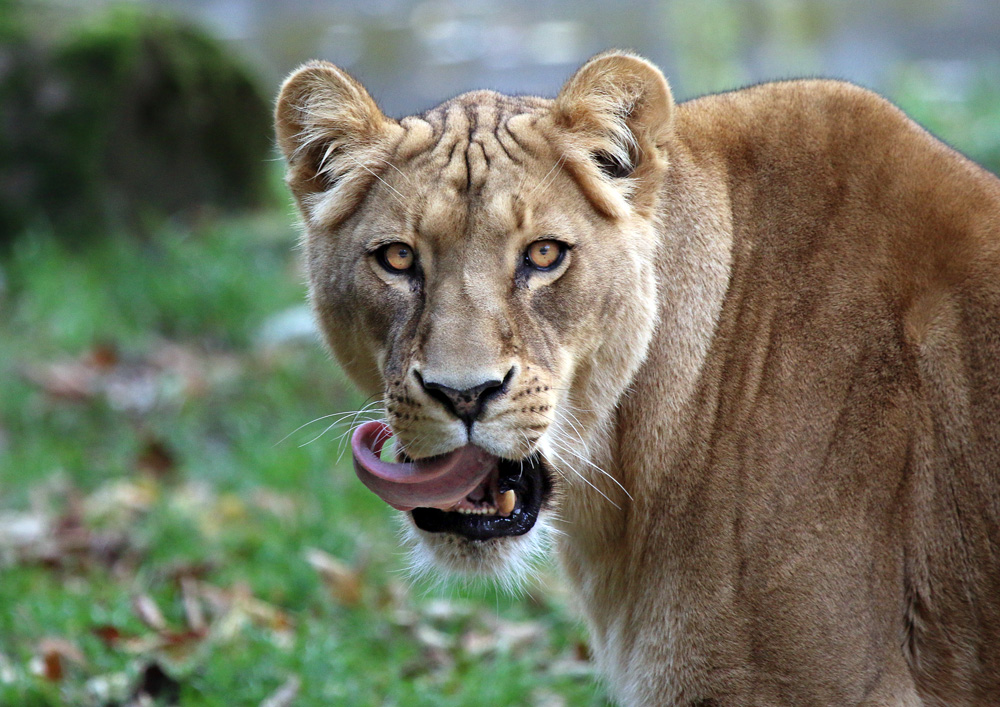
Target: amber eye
545	255
396	257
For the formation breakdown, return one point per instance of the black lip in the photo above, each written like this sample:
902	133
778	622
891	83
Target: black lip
528	478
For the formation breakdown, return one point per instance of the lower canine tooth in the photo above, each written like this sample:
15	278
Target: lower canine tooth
505	504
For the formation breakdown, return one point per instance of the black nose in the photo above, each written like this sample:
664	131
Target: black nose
466	404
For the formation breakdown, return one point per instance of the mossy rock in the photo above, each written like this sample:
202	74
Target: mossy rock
133	117
24	103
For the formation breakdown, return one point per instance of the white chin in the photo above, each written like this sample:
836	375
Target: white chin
508	561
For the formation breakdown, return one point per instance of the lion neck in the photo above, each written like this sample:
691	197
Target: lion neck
649	429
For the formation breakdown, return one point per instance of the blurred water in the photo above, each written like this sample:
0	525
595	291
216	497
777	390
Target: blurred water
413	53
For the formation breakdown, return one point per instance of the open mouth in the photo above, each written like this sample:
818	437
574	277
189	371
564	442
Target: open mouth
467	491
506	503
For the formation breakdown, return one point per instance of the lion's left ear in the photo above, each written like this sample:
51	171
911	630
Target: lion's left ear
615	115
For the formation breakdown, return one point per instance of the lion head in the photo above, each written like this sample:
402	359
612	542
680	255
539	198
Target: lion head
488	270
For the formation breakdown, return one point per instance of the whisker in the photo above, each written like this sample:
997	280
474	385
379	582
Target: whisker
388	163
591	464
338	415
341	446
324	417
354	414
399	197
551	173
586	481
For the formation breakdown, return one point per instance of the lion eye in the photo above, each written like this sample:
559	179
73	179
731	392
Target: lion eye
545	255
396	257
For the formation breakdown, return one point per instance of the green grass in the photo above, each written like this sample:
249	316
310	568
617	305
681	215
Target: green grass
143	454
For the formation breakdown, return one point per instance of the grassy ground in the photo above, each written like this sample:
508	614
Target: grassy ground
170	532
166	529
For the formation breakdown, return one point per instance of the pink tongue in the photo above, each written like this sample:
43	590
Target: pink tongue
438	482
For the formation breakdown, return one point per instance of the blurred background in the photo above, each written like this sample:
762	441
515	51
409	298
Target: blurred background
177	522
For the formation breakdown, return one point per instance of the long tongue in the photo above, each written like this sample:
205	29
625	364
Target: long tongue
438	482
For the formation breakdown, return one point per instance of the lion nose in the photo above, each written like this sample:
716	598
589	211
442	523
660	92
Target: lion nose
466	404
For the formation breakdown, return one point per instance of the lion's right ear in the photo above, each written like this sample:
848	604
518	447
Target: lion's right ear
333	137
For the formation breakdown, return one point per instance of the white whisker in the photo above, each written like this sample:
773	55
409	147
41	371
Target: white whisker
324	417
341	417
551	173
338	415
399	197
581	476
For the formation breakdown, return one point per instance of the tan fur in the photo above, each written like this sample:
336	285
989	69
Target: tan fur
768	376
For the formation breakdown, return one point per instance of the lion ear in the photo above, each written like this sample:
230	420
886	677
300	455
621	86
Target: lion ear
331	133
616	114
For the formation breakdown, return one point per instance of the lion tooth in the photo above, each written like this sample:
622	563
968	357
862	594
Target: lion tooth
505	504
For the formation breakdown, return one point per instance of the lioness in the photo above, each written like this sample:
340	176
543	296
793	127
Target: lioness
741	355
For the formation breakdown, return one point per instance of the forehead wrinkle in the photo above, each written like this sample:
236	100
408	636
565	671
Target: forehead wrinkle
454	171
470	238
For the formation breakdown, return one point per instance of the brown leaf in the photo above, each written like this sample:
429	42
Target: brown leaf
156	458
168	373
54	652
179	571
65	380
343	581
109	635
104	355
238	603
52	669
180	639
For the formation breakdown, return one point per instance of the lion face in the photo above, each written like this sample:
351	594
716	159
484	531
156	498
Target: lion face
488	270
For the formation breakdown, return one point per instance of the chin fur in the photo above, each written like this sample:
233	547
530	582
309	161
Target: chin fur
507	562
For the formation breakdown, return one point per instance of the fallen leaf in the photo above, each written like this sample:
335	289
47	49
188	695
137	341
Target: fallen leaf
22	530
52	667
119	500
156	458
53	653
174	640
168	373
444	610
104	355
285	695
193	611
237	605
179	571
65	380
343	581
109	635
109	690
275	503
149	613
515	635
432	638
